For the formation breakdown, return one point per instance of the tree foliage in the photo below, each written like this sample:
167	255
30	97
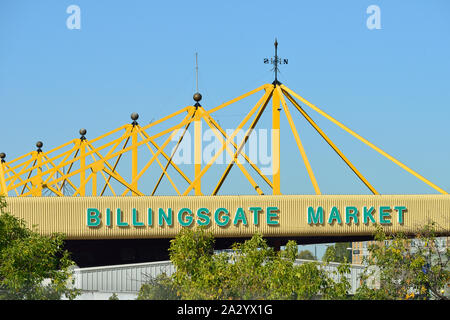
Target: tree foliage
251	270
306	255
400	268
339	252
32	266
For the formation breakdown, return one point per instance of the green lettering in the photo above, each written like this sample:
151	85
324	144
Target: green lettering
400	213
368	215
256	211
226	217
334	215
189	217
168	218
108	217
272	212
203	215
119	219
315	217
93	217
149	217
384	214
240	215
135	222
351	213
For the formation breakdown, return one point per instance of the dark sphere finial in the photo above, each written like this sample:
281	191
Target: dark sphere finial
197	97
134	116
83	131
2	155
39	144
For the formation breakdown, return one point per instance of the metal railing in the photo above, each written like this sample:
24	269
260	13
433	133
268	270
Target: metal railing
128	278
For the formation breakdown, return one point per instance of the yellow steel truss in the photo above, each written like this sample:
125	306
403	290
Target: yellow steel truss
90	167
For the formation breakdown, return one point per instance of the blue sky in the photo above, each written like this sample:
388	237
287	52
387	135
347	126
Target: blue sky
390	85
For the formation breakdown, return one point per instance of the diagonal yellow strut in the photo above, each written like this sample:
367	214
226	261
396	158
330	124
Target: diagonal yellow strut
363	140
234	157
332	145
224	145
254	166
299	142
263	103
169	161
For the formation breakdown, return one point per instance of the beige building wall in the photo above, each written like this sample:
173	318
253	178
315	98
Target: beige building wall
289	218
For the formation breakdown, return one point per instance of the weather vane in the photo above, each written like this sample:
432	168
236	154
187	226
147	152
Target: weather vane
275	61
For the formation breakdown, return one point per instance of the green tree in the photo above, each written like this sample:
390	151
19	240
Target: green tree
159	288
32	266
339	252
398	268
306	255
252	270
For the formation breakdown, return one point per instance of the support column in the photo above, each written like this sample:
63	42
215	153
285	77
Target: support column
134	153
276	143
82	166
3	189
198	151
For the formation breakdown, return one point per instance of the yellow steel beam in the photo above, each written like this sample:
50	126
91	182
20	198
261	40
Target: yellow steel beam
299	142
276	152
68	171
182	110
110	154
17	159
167	158
98	165
234	157
332	145
118	140
162	167
223	105
28	178
192	112
12	174
81	188
241	167
134	158
198	151
122	181
254	166
107	184
22	171
224	145
114	169
263	102
149	163
115	142
3	189
62	173
364	140
15	190
125	126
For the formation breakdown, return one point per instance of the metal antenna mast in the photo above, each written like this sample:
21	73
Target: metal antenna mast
197	95
196	70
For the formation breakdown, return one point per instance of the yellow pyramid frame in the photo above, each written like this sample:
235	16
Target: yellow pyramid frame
36	171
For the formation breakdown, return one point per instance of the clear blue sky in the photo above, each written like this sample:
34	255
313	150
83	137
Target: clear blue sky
390	85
